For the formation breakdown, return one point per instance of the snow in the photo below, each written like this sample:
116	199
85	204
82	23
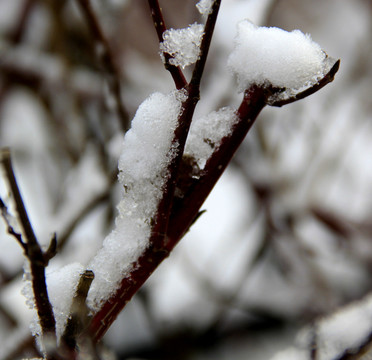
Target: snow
274	57
206	134
204	7
347	328
182	44
147	152
62	285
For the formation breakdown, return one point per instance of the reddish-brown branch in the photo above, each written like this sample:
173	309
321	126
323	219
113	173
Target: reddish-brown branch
205	44
182	215
185	210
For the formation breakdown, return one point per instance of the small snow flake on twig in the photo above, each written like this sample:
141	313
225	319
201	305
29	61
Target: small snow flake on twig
182	44
204	7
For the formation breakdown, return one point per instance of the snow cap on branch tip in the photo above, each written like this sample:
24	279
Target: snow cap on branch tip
183	45
275	57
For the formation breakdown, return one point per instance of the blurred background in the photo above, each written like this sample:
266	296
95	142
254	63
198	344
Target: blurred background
286	239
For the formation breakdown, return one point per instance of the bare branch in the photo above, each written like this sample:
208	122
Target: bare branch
78	319
205	44
19	30
33	251
107	59
5	215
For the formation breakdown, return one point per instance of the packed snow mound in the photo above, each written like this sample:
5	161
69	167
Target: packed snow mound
269	56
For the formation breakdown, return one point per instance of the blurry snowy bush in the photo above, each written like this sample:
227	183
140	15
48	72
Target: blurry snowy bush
286	239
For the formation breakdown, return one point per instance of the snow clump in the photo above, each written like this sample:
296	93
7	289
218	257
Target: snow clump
62	285
204	7
147	151
182	44
207	132
272	56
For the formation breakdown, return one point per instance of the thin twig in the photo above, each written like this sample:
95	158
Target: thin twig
160	27
107	59
314	342
5	215
358	352
79	312
32	251
19	30
205	44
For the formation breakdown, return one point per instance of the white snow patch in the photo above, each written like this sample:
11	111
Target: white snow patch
272	56
182	44
204	7
292	354
347	328
147	151
206	133
62	285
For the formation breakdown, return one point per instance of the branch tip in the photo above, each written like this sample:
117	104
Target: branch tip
329	77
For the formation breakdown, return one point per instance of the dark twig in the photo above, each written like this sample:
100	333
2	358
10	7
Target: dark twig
19	30
107	59
5	214
358	352
314	342
78	319
205	44
186	209
32	250
160	27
